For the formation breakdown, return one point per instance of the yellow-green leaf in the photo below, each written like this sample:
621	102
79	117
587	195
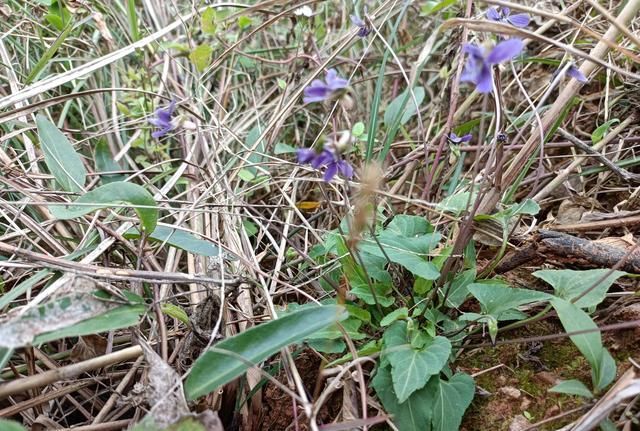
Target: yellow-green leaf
201	57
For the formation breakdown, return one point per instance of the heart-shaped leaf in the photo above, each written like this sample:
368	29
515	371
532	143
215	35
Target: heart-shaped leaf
415	413
452	399
411	368
569	284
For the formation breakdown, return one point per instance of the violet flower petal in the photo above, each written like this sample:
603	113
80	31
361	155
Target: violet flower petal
484	81
305	155
520	20
326	157
466	138
575	73
334	82
357	21
345	169
473	50
331	172
504	51
493	14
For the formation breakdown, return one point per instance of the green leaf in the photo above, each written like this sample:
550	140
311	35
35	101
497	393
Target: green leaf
5	355
456	203
496	297
108	195
569	284
61	158
257	155
357	129
175	311
605	370
405	103
21	288
179	239
415	413
602	130
105	163
208	21
459	288
412	368
574	319
410	252
398	314
281	148
452	399
117	318
7	425
201	57
409	226
221	364
608	425
603	367
363	291
432	7
572	387
244	22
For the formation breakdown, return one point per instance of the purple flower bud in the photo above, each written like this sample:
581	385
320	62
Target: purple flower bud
459	139
319	91
162	120
575	73
478	68
364	28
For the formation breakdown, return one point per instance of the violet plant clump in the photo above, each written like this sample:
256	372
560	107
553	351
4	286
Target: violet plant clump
329	158
163	120
503	14
479	66
319	91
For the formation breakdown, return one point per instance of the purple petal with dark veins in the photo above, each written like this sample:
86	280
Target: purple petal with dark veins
493	14
519	20
504	51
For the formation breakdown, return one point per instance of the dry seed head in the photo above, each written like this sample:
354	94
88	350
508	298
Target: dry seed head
364	201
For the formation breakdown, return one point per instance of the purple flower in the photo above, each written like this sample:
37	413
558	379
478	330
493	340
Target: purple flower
503	14
478	68
162	120
364	28
319	91
328	158
575	73
459	139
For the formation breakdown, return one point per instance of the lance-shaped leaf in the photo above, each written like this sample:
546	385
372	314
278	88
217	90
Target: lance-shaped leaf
109	195
61	158
230	358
